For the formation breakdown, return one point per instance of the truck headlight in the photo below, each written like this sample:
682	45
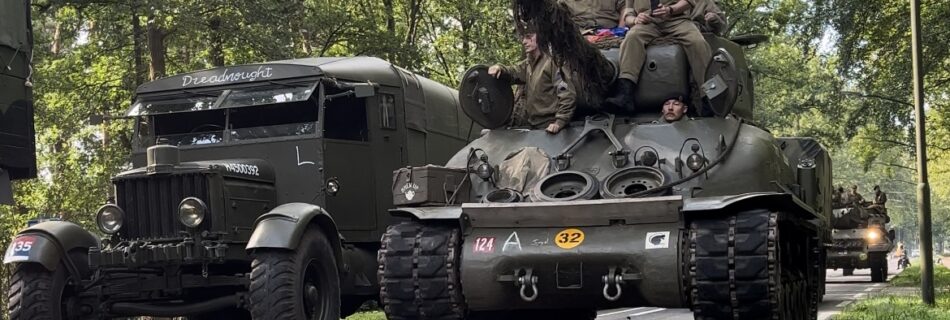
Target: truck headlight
873	235
109	218
192	212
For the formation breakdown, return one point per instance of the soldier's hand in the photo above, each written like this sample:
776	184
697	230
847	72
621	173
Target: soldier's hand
553	128
644	18
711	16
662	12
495	71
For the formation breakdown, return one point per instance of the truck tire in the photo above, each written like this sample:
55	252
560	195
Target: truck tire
36	293
847	272
296	284
419	272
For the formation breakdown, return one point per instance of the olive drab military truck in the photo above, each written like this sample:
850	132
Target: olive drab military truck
860	239
711	213
261	187
17	148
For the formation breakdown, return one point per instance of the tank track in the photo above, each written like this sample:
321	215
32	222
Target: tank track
735	263
418	272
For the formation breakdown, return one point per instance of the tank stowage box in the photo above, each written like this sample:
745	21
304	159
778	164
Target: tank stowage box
429	185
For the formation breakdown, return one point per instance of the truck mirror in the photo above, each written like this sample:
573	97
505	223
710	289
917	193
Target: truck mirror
363	90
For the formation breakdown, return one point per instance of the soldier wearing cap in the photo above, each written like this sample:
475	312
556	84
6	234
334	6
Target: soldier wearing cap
674	109
549	95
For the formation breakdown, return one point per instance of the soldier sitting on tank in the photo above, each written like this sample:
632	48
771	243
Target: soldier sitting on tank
670	19
880	198
549	97
592	15
673	110
708	17
854	197
837	197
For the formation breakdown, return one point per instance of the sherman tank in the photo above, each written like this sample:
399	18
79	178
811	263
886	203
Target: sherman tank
17	146
860	240
711	213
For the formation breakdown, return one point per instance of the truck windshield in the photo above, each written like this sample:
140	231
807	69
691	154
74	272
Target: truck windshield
190	101
236	115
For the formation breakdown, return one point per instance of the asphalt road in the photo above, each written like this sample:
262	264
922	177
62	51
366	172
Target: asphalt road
840	291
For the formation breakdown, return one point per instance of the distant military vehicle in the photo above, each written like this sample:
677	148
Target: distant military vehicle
860	240
711	213
17	146
260	186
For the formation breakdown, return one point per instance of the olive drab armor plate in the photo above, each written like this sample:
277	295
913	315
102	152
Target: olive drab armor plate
486	100
722	86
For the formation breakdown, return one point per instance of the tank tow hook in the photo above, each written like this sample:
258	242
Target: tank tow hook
616	278
522	279
601	123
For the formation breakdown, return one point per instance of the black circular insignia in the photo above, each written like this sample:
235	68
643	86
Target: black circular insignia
486	100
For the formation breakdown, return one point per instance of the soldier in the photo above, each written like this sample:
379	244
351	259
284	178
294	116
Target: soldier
708	17
836	196
854	197
590	15
549	97
880	198
673	110
670	19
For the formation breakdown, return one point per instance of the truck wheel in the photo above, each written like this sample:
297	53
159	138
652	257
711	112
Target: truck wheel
296	284
848	272
39	294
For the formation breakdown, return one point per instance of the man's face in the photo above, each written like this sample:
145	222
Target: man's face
530	42
673	110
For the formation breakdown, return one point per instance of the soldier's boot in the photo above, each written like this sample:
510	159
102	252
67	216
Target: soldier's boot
623	96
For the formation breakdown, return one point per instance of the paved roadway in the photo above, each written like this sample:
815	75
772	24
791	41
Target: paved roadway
840	291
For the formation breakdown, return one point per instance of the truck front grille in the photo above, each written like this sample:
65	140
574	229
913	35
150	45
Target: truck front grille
151	203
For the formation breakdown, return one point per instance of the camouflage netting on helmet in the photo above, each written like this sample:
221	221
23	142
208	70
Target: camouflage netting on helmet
557	32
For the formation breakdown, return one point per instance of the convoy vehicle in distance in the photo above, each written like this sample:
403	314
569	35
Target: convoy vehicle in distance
860	240
262	187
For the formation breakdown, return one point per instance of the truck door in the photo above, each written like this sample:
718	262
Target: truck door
348	158
389	147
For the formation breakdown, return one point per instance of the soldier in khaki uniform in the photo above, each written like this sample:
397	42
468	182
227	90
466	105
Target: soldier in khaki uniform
596	14
670	19
549	96
708	16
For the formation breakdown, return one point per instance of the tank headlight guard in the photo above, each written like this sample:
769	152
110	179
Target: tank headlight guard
484	169
109	218
191	212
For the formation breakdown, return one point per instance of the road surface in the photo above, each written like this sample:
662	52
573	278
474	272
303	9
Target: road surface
840	291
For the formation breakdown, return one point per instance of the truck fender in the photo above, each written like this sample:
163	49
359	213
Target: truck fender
49	242
283	226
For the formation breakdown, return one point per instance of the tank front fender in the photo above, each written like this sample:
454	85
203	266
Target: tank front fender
771	200
282	228
49	242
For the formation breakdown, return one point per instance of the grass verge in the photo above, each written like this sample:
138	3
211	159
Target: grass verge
887	307
369	315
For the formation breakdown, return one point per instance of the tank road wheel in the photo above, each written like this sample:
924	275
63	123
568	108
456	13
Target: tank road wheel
39	294
743	266
847	271
296	284
419	272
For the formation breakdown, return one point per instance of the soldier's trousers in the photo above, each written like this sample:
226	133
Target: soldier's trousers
683	32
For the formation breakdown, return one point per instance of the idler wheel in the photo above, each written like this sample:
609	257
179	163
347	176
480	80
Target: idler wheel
503	196
567	186
633	180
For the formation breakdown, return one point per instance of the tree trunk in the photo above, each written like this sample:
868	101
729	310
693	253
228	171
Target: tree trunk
156	48
138	63
57	39
217	43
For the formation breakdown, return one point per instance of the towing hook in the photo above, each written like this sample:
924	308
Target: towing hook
612	279
523	282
